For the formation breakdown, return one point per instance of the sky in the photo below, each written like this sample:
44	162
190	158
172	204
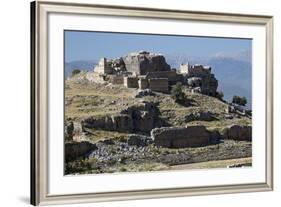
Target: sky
81	45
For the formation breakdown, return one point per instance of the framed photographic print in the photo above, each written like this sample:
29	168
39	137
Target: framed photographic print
135	103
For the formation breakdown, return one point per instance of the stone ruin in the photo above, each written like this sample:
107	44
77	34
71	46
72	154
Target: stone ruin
200	79
145	70
143	62
137	118
177	137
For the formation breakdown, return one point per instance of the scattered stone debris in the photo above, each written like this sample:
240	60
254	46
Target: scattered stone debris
228	116
138	140
107	158
200	116
237	109
145	92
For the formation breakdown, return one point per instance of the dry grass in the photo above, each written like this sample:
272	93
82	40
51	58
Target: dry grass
97	135
83	100
175	113
89	99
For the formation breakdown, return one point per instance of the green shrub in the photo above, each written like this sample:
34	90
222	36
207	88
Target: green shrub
123	169
240	100
75	72
177	94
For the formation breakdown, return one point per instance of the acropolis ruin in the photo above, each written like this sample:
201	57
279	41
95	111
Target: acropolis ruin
145	70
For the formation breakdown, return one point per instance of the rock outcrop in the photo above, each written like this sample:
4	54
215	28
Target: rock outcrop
143	93
142	117
237	132
118	122
145	116
74	150
180	137
200	116
68	130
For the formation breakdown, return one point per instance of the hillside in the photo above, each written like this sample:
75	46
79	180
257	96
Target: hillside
91	99
110	150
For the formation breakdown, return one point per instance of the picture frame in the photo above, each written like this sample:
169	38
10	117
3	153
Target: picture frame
41	93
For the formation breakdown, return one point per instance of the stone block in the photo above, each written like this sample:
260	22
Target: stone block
181	137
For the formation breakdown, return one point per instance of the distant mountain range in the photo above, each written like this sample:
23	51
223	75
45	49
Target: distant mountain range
85	65
234	71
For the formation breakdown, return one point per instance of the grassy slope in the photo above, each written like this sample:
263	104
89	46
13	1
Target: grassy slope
90	99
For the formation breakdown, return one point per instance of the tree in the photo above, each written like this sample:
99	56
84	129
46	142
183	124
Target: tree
75	71
240	100
177	94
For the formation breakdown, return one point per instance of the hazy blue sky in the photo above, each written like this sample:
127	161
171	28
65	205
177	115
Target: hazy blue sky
94	45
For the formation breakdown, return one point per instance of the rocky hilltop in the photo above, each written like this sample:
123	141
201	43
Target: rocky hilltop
136	113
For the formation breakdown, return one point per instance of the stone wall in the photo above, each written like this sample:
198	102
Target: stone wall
118	122
143	117
103	67
199	70
143	83
209	85
172	76
237	132
179	137
142	62
159	84
117	79
131	82
201	76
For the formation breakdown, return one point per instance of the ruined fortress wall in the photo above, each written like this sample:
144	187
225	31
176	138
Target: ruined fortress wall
159	84
172	75
143	62
237	132
179	137
132	64
183	68
103	67
131	82
209	86
143	83
117	79
198	70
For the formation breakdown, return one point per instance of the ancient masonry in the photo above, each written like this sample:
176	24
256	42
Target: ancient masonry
145	70
177	137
